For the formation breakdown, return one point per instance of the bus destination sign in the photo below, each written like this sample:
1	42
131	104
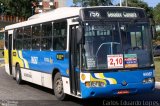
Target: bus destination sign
122	14
99	13
96	14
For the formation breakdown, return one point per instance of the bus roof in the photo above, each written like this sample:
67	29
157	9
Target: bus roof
57	14
60	13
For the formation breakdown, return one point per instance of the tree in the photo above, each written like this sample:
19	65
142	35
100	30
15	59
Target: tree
4	6
92	2
22	8
141	4
157	14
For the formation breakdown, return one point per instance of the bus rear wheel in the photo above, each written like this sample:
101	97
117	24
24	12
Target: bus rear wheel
18	75
58	87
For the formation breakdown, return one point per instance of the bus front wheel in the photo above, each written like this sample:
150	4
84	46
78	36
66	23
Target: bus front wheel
18	74
58	87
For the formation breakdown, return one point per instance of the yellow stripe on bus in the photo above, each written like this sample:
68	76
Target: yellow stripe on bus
25	61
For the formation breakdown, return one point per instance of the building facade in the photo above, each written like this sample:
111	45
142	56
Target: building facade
46	5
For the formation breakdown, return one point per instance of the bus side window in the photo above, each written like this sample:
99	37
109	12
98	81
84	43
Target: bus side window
60	36
19	38
46	43
27	38
36	32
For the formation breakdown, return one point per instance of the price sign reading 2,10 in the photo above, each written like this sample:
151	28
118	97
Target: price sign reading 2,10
115	61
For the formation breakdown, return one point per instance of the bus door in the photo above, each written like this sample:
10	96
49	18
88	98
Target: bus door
10	34
74	62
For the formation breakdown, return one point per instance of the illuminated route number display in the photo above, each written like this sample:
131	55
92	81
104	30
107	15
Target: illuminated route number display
94	14
115	61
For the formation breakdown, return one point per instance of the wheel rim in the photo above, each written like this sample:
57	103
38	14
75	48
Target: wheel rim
59	86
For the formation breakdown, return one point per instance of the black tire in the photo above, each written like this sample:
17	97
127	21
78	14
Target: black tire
18	75
58	87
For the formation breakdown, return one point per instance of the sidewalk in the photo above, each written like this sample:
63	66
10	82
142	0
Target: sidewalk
1	62
1	59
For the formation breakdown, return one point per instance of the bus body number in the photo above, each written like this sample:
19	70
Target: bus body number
115	61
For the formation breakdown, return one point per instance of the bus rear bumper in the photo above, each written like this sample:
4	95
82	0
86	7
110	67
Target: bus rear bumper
117	90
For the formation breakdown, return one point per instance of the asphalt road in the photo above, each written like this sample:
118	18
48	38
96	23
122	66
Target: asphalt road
12	94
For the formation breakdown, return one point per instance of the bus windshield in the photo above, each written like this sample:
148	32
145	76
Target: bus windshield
117	45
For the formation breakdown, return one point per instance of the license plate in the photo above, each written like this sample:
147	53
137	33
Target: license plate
123	92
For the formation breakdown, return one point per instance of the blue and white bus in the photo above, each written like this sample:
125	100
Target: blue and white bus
86	52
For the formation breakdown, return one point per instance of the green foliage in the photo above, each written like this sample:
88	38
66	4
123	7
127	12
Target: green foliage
158	35
76	2
156	13
141	4
20	8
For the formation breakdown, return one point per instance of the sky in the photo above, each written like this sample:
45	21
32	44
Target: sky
151	3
